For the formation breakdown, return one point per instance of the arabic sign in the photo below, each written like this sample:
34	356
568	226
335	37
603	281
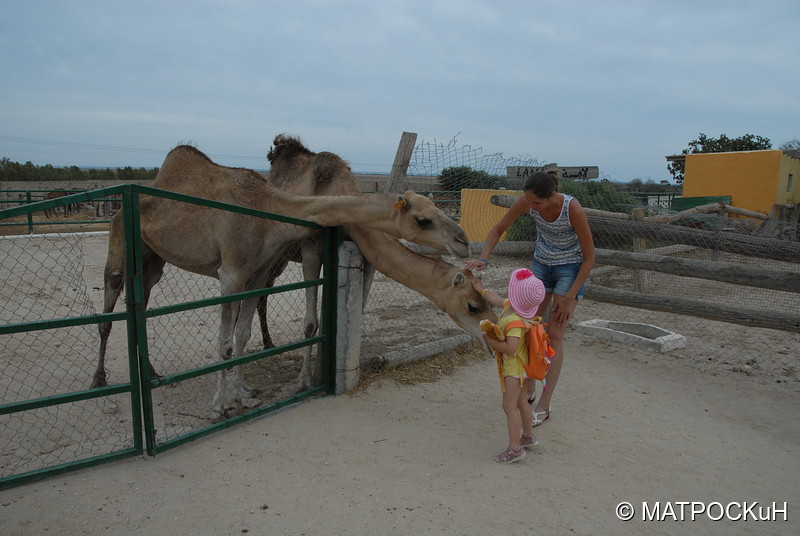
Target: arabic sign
565	172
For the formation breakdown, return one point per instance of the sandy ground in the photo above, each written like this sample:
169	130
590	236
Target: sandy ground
417	459
628	426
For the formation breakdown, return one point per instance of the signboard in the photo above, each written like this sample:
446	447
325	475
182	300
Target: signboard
565	172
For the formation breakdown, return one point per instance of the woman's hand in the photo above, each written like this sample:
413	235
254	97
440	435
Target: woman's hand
562	310
476	264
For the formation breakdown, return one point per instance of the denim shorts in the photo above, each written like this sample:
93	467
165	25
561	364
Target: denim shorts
558	279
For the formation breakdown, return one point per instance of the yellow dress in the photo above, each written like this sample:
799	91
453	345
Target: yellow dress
512	364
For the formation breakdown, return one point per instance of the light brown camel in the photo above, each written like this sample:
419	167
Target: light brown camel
448	288
242	251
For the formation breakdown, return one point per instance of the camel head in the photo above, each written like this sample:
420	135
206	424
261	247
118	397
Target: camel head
423	223
300	171
465	305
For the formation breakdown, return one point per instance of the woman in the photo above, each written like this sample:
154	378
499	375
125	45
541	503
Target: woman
562	260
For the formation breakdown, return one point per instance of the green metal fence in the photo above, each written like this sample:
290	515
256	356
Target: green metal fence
50	219
53	423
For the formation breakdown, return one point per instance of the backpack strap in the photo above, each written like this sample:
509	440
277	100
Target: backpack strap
516	324
526	326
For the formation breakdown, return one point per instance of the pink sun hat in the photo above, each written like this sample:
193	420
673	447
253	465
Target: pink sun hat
525	292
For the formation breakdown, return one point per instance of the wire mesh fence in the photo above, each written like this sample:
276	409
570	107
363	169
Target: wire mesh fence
679	276
53	414
44	278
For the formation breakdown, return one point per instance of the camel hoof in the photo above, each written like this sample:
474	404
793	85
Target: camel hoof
221	411
111	408
302	386
245	392
250	403
99	380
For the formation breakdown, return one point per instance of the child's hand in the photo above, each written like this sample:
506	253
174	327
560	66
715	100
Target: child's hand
477	284
491	330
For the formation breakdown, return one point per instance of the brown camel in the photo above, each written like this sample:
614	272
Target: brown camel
242	251
448	288
56	194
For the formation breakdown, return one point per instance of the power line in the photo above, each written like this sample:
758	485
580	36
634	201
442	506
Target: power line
139	150
95	146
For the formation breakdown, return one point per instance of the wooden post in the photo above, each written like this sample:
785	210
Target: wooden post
397	179
793	220
773	226
639	246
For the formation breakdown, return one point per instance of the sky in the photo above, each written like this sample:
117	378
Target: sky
614	84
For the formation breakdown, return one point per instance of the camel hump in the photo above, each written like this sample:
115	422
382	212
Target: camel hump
328	166
189	150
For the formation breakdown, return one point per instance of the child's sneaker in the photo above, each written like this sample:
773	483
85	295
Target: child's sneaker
528	441
510	456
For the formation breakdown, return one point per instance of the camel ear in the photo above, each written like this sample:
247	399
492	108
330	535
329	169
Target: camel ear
459	279
400	203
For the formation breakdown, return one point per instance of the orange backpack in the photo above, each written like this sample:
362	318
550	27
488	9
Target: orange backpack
539	349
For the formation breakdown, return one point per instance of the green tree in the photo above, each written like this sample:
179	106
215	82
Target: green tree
453	179
791	145
723	144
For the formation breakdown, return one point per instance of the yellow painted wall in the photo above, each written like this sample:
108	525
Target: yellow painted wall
478	214
755	180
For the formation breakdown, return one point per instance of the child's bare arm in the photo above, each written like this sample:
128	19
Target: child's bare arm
508	346
492	297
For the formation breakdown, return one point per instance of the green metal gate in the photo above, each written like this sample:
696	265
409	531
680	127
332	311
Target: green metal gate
27	405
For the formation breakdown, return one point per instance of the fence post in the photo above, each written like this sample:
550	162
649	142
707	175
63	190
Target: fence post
28	201
397	179
639	246
350	300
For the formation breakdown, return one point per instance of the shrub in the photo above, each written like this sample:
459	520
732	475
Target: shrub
456	178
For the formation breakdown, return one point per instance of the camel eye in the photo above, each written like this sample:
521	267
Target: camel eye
473	309
424	223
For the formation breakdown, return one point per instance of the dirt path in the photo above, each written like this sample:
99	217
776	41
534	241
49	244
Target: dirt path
417	459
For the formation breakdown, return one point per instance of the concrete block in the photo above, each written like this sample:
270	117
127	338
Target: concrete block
646	336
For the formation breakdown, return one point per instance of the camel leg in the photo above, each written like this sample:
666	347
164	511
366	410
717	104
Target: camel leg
234	333
312	264
276	271
242	331
114	282
228	312
261	308
233	336
153	269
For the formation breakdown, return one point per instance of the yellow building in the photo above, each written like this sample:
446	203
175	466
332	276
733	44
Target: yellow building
755	180
478	214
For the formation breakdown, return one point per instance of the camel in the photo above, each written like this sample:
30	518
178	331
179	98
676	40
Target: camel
56	194
242	251
448	288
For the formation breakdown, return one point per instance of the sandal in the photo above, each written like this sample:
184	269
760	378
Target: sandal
537	420
528	441
510	456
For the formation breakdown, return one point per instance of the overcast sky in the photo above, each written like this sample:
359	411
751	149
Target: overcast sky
617	84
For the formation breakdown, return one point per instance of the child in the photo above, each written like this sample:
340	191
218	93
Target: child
525	293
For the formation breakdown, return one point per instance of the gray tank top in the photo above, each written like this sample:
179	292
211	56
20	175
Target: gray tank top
557	242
